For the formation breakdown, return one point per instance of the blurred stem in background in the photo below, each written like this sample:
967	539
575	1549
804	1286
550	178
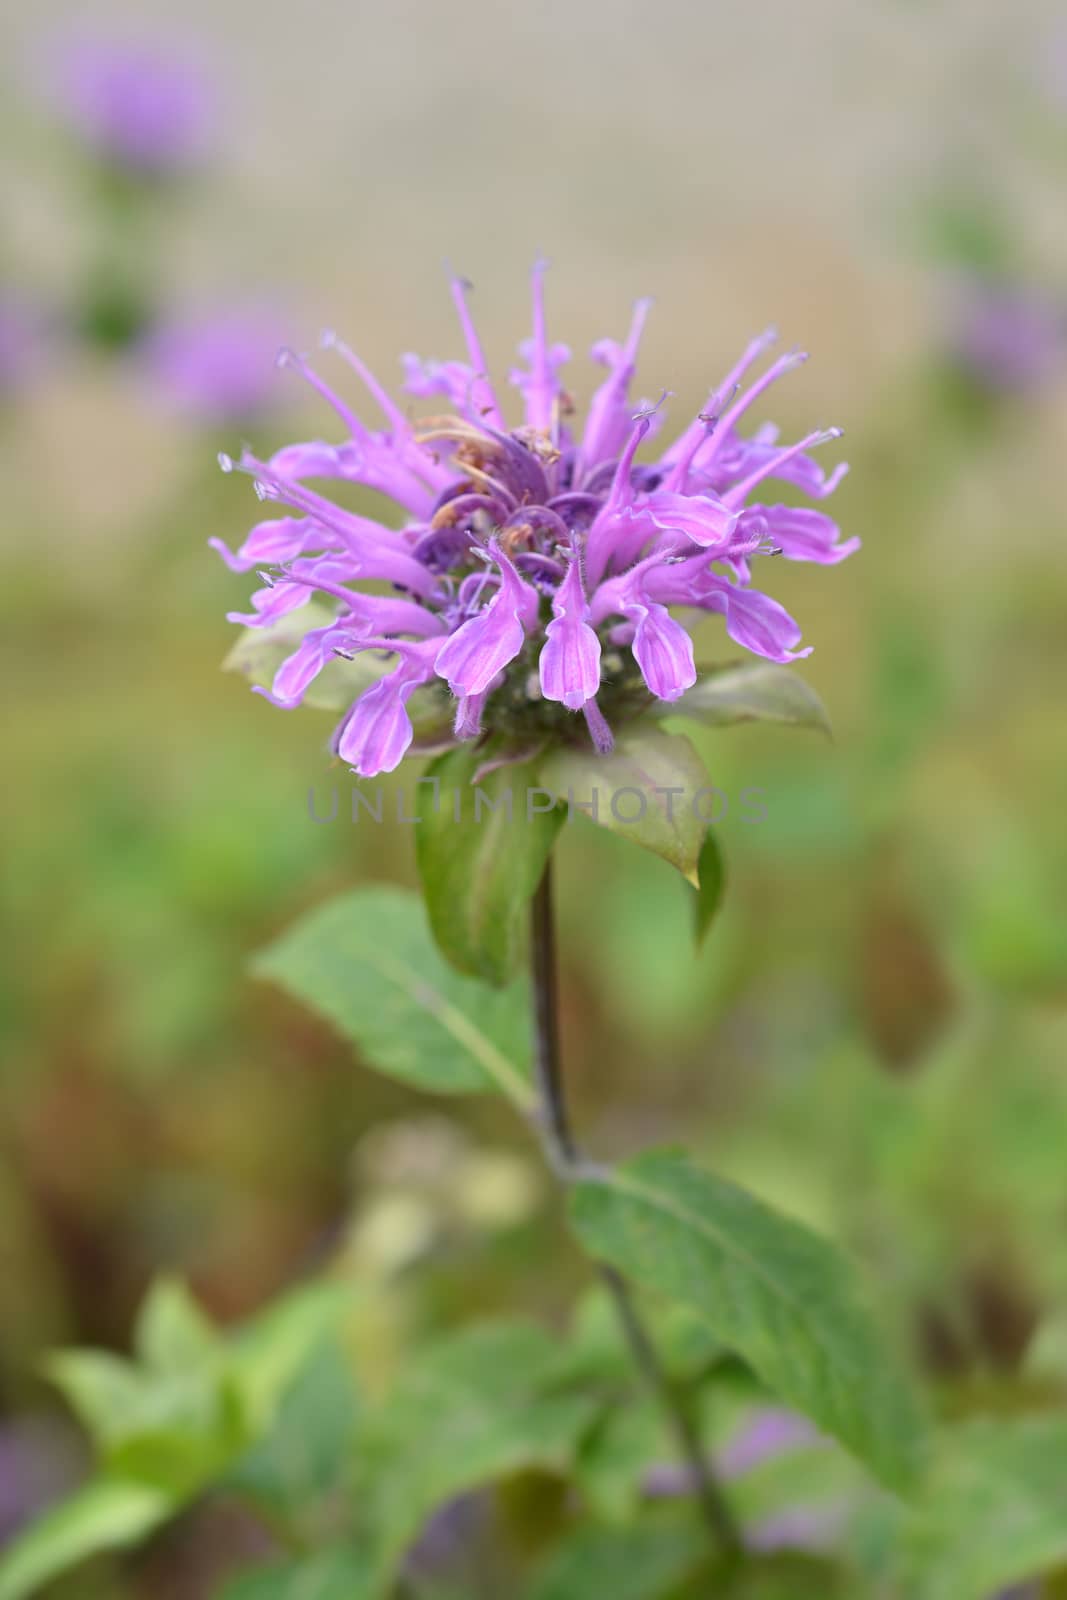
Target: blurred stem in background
117	300
565	1158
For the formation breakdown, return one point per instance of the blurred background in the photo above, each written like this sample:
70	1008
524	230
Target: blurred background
875	1036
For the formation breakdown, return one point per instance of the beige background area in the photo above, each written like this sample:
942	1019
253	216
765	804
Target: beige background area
731	159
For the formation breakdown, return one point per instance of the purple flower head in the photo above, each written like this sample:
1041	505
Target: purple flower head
215	366
1010	339
137	106
535	567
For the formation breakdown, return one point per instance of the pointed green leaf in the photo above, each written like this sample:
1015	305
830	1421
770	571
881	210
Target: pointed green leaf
106	1393
708	895
751	691
108	1514
367	962
780	1296
173	1334
480	854
649	790
995	1510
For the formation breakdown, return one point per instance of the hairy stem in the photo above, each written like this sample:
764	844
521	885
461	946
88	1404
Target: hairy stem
566	1159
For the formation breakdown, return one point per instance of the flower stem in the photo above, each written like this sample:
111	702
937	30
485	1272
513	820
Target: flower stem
566	1160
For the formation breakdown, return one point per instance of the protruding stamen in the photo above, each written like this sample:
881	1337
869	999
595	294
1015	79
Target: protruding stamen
226	463
735	495
328	340
784	364
540	393
289	358
484	398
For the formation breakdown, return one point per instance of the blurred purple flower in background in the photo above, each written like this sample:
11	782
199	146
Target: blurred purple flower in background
216	366
536	561
22	338
39	1463
1006	336
140	106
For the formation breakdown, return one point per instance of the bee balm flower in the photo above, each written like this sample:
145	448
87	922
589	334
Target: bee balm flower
530	560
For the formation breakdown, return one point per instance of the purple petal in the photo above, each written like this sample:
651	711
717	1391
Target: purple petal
570	657
663	650
756	621
487	643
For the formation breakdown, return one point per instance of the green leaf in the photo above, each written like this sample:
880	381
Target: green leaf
480	856
339	1572
633	1563
267	1353
108	1514
259	652
995	1509
626	1440
770	1289
107	1394
366	961
707	897
756	691
653	778
172	1334
482	1404
306	1458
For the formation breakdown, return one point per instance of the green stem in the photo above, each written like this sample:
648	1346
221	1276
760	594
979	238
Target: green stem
566	1160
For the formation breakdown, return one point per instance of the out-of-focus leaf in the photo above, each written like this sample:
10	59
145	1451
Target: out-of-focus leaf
751	691
995	1510
707	896
107	1394
776	1293
480	857
484	1403
614	1456
339	1572
267	1353
178	1425
172	1334
107	1514
648	791
307	1457
367	962
633	1563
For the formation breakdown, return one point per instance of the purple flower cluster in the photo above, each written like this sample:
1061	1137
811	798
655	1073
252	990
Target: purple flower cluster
138	106
530	559
216	365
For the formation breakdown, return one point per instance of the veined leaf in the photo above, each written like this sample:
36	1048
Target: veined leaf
366	962
750	691
480	855
780	1296
649	790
